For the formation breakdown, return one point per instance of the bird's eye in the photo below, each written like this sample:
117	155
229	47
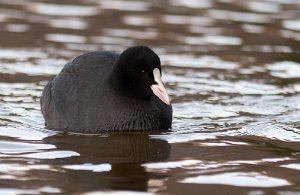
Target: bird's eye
143	71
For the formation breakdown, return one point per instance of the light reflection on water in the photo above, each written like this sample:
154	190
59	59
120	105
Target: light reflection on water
240	179
64	10
232	70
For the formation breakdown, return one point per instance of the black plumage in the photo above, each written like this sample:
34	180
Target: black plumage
104	91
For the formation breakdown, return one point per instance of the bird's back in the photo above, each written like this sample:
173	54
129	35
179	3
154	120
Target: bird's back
74	89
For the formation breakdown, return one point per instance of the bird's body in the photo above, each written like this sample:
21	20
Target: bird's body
98	92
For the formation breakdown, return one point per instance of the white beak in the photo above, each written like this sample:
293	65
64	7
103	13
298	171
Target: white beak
159	89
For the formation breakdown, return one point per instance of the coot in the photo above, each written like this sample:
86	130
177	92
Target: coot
104	91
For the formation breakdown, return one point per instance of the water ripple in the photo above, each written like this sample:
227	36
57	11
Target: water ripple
63	10
241	179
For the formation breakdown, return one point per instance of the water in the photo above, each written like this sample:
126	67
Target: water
231	68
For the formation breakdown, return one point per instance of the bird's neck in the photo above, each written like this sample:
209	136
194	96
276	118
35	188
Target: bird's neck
127	86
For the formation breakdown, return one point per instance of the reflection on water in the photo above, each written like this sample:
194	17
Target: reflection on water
232	70
285	69
240	179
63	10
113	148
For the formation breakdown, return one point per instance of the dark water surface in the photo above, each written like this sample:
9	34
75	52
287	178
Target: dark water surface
233	72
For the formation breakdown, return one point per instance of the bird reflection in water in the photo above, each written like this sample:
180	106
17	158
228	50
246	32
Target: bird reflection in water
125	152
